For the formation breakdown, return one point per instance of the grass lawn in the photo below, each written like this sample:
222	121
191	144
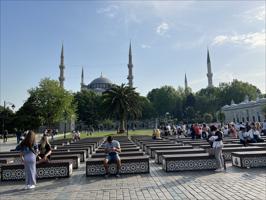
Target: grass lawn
106	133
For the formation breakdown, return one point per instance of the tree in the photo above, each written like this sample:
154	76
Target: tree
7	116
148	111
264	111
164	100
122	102
51	102
89	109
207	117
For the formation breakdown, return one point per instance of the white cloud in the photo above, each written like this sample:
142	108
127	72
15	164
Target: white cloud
162	28
255	14
145	46
110	11
255	39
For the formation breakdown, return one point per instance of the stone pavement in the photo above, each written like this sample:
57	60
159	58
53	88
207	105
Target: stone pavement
233	184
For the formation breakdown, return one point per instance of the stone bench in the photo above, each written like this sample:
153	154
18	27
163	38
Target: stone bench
122	154
88	150
153	148
249	159
15	156
122	146
229	150
207	146
74	157
130	165
70	152
92	146
122	149
143	145
259	144
185	162
52	169
159	153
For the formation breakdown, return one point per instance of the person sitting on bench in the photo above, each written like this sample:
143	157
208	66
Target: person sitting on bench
112	148
44	149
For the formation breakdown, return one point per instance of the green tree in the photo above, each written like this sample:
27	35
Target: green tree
148	110
51	102
264	111
164	100
207	117
89	109
122	101
7	116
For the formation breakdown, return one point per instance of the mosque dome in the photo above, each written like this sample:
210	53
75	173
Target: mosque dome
100	84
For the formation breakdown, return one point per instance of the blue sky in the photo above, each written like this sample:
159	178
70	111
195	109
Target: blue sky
169	39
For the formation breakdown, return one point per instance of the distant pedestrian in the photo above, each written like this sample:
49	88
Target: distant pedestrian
18	135
29	151
5	135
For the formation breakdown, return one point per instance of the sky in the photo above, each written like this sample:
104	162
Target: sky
169	39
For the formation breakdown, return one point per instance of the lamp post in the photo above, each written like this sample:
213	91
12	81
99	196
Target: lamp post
3	117
65	116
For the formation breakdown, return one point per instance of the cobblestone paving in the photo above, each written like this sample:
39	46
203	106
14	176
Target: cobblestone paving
234	184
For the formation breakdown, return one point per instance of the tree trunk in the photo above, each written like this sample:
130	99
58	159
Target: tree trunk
122	125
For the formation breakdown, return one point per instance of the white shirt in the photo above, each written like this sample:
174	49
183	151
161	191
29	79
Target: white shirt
251	133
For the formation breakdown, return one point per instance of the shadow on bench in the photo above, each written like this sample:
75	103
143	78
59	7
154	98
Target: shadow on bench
130	165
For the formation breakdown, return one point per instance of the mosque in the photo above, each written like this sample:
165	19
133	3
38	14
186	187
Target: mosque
98	85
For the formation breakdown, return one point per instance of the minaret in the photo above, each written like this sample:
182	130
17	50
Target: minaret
82	79
186	86
130	67
62	67
209	74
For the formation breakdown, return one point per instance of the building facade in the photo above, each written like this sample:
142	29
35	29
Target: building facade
246	111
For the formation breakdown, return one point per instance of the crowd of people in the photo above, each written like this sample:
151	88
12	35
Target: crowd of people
245	132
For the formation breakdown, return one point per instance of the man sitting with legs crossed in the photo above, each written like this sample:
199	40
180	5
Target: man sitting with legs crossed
112	148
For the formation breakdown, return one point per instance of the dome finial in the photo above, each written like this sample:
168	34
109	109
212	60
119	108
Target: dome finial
101	74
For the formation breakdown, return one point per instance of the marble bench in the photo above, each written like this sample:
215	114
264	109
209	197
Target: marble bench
159	153
185	162
229	150
152	149
130	165
74	157
122	149
82	154
249	159
122	154
52	169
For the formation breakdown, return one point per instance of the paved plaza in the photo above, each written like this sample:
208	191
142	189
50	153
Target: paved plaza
233	184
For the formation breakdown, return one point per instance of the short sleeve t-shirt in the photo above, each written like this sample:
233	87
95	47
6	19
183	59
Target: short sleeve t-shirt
109	146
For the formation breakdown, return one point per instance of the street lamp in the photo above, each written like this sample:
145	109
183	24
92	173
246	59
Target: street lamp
3	118
65	116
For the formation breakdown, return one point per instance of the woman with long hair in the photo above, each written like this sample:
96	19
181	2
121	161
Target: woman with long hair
45	149
28	155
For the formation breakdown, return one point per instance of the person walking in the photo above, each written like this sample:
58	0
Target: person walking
29	150
5	136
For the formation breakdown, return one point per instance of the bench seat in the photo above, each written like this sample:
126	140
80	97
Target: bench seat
122	149
185	162
122	154
130	165
74	157
207	146
81	153
249	159
159	153
53	169
228	150
169	147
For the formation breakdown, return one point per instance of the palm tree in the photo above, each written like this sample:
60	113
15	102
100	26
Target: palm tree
122	101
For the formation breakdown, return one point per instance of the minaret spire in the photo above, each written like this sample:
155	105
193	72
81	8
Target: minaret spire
186	85
209	74
82	79
130	67
62	67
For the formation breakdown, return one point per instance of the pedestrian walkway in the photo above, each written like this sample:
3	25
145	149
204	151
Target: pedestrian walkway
235	184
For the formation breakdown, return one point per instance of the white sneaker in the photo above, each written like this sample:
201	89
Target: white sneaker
26	187
219	170
31	186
